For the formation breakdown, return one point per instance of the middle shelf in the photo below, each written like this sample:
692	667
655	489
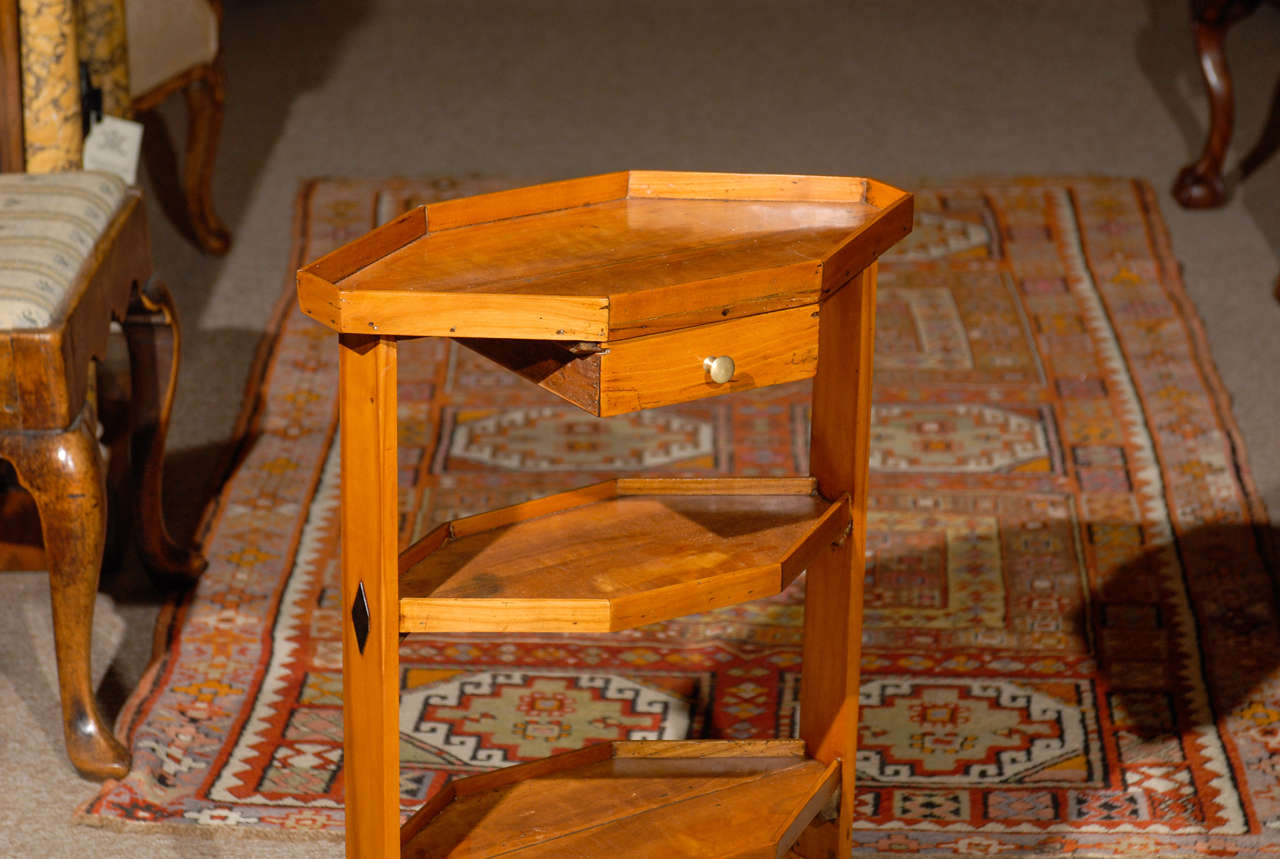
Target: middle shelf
616	555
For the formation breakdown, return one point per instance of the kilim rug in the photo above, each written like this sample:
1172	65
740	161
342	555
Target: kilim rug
1071	636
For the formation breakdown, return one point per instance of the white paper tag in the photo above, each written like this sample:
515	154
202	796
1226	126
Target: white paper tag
114	145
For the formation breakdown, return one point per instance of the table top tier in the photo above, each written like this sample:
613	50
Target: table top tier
607	257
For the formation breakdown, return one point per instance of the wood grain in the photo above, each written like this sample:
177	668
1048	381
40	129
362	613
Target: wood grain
548	766
319	299
503	614
716	485
614	247
371	247
370	675
741	821
522	202
435	314
581	552
499	778
657	308
841	392
434	539
1201	184
589	561
52	365
151	329
11	144
205	94
840	436
747	186
660	369
549	364
822	796
63	471
709	748
48	433
424	815
850	259
681	250
625	283
204	89
711	592
882	195
533	508
835	526
652	802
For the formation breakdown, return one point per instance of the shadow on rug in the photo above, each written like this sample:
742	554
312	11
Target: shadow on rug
1071	636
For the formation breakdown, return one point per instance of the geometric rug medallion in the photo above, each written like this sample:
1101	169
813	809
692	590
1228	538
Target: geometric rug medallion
1070	645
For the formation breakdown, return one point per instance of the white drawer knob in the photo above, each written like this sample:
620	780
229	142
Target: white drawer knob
720	369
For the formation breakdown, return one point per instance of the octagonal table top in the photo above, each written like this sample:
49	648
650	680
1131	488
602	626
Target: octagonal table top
606	257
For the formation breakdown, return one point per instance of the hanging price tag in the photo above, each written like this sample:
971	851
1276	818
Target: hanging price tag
114	145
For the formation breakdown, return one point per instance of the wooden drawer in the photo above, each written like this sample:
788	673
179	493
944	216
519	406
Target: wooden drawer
660	369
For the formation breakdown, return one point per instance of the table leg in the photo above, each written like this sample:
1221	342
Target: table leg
833	591
370	632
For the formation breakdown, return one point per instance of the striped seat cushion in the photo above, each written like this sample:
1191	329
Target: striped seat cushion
49	224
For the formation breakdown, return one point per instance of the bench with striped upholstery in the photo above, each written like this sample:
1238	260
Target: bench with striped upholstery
49	225
74	257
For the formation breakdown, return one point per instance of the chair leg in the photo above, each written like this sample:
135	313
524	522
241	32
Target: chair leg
63	472
1200	185
149	408
204	97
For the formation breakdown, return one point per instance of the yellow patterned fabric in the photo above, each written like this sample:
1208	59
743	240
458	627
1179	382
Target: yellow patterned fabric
49	225
50	86
100	29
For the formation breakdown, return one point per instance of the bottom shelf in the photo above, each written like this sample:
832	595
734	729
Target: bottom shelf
633	799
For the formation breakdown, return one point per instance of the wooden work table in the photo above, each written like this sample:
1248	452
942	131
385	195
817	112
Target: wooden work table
617	292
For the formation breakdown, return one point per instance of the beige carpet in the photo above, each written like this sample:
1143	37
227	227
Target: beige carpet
900	91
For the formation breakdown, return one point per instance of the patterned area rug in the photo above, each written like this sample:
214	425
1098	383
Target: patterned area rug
1071	639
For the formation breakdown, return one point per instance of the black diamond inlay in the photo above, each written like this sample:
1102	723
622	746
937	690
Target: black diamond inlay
360	617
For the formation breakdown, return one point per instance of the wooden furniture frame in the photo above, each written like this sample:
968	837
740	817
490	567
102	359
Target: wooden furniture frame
204	88
49	433
1200	184
11	154
609	291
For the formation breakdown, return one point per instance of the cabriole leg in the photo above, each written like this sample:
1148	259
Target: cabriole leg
63	472
204	98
